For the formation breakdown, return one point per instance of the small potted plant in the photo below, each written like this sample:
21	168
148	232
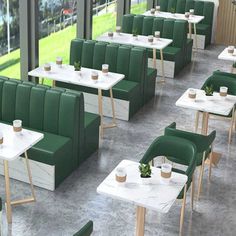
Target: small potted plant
172	10
145	172
209	92
135	34
77	67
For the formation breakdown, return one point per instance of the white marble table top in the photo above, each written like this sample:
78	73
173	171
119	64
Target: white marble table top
156	195
67	74
195	19
142	40
216	104
227	56
16	144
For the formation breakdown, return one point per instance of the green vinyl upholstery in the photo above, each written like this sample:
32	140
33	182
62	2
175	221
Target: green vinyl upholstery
138	87
86	230
180	51
202	8
181	152
59	115
203	143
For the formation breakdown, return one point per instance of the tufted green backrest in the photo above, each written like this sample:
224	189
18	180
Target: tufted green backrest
163	5
138	24
198	7
208	13
168	28
99	55
180	6
147	25
123	59
76	50
127	23
87	53
111	56
158	25
189	5
180	33
45	109
171	6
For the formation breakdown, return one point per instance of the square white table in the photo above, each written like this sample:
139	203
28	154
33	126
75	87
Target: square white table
67	74
156	195
193	19
14	145
224	55
142	41
216	105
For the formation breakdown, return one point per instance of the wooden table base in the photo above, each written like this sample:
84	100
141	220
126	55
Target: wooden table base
140	221
215	159
10	203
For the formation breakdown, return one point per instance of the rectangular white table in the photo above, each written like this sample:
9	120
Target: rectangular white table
216	105
142	41
156	195
224	55
67	74
13	146
195	19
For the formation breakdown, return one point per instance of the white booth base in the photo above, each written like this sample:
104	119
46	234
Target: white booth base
121	106
200	41
169	67
43	175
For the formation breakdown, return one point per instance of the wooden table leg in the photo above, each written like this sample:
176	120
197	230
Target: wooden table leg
140	221
205	118
53	83
100	110
190	30
154	58
162	65
8	193
195	35
113	108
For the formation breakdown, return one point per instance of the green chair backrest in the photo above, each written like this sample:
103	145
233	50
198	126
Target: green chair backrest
198	7
86	230
180	33
168	28
163	5
123	57
189	5
208	13
99	55
127	23
76	47
217	81
111	56
180	150
44	109
202	142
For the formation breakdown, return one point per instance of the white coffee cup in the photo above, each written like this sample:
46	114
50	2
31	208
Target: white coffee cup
223	91
157	34
192	93
158	8
118	29
150	39
152	11
105	69
121	174
17	126
231	49
166	170
191	11
94	76
47	67
187	14
59	61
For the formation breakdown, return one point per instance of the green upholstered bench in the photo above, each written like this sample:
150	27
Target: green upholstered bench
86	230
70	134
130	94
202	8
178	54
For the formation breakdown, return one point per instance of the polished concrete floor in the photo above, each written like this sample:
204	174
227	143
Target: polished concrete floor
64	211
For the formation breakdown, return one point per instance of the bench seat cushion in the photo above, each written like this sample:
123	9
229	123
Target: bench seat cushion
170	53
50	148
203	29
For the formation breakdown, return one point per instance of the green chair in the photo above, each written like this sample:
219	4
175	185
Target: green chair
182	152
204	148
217	80
86	230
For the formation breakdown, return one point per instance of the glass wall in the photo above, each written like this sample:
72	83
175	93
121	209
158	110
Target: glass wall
138	6
9	39
57	27
104	16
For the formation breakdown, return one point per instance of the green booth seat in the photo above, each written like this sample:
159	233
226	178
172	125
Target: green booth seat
138	86
71	135
179	53
202	8
86	230
203	145
217	80
180	151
